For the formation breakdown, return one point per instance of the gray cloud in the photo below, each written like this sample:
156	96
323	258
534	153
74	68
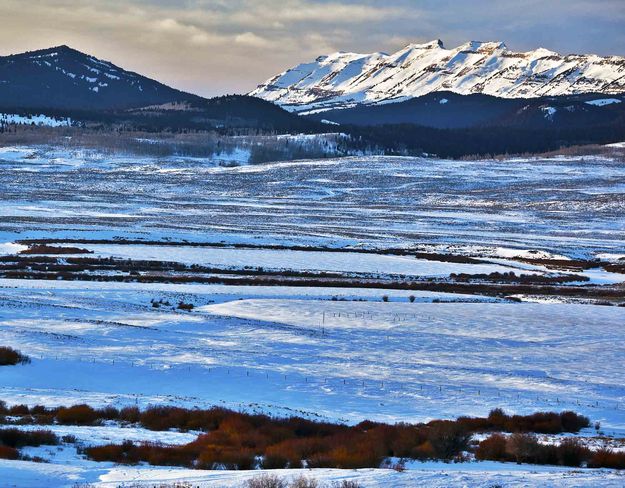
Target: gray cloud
227	46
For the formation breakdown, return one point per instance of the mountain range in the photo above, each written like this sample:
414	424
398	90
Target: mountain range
479	98
343	80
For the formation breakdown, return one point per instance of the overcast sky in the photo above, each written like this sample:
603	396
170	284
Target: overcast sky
213	47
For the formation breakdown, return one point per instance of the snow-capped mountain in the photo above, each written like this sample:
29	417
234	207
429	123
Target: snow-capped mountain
61	77
343	79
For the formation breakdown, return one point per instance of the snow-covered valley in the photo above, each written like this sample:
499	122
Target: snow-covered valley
310	348
569	206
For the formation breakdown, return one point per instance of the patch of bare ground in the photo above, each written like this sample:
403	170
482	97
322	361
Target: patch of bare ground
46	249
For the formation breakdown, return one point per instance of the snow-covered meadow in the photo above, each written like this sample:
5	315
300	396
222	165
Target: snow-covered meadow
570	206
289	351
431	474
342	354
275	347
286	259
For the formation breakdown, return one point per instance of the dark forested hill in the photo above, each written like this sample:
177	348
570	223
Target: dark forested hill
64	82
446	110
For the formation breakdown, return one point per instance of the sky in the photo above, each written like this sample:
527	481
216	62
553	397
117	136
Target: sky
213	47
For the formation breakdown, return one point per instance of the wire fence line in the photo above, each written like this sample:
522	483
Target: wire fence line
427	390
392	316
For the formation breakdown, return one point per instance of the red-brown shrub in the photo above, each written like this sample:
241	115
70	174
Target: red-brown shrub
362	454
108	413
423	451
493	448
497	417
164	418
213	457
166	456
403	438
238	441
571	422
275	460
10	357
448	438
19	410
522	447
20	438
294	451
108	452
7	452
77	415
607	458
572	453
130	414
540	423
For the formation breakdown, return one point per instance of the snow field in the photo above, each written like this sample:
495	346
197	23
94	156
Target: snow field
563	206
345	262
26	474
295	351
340	360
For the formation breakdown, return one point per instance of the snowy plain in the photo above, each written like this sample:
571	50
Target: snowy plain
26	474
279	259
301	355
570	206
304	351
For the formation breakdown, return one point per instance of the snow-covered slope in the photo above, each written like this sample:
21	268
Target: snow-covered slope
345	79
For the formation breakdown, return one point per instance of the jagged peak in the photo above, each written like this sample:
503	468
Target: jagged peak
542	52
482	46
414	46
435	44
